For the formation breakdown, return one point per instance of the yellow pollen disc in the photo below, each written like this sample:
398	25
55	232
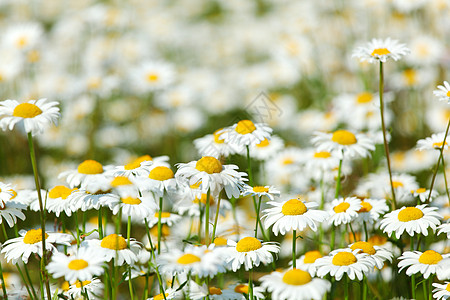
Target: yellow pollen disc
33	56
60	191
21	42
33	236
421	190
311	256
132	165
161	173
448	94
114	242
209	165
343	137
241	288
377	240
187	259
439	145
364	97
90	167
430	257
380	51
85	283
344	259
448	285
160	296
163	215
260	189
217	139
397	184
26	110
365	207
293	207
65	286
203	199
296	277
215	291
288	161
78	264
152	77
131	201
165	230
322	154
410	76
341	207
365	247
245	127
120	180
410	214
248	244
218	241
263	143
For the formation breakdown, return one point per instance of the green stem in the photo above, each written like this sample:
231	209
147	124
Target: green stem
346	287
216	219
294	244
78	229
208	196
365	288
250	284
338	181
249	166
100	225
199	234
424	289
159	224
413	277
353	232
128	231
41	213
322	204
5	295
32	293
366	233
130	284
333	237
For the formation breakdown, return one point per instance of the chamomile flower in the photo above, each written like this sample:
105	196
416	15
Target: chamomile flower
292	214
441	291
372	209
166	218
307	260
93	288
242	288
444	228
58	200
138	167
31	242
267	148
245	133
115	246
443	92
378	254
318	162
11	210
260	191
138	208
342	261
6	191
84	200
160	179
427	263
151	76
36	115
213	145
295	284
87	171
344	210
83	265
434	142
423	194
197	292
250	252
169	293
413	220
381	50
343	143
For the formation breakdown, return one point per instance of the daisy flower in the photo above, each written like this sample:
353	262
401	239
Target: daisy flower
169	293
344	210
267	148
36	115
87	171
160	179
31	242
138	208
295	284
443	92
341	261
250	252
83	265
93	288
307	260
84	200
213	145
212	176
343	143
242	288
58	201
245	133
372	209
151	76
292	215
381	50
136	168
441	291
10	211
166	218
427	263
6	191
320	161
432	143
377	254
413	220
113	246
197	292
444	228
423	194
259	191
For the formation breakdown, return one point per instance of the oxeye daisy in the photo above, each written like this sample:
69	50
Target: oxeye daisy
83	265
138	167
93	288
31	242
166	218
245	133
378	254
381	50
441	291
138	208
242	288
84	200
250	252
344	210
169	294
343	143
413	220
260	191
444	228
320	161
6	191
11	210
213	145
306	261
372	209
423	194
267	148
197	292
443	92
292	214
115	247
435	142
36	115
151	76
160	179
341	261
427	263
58	200
86	171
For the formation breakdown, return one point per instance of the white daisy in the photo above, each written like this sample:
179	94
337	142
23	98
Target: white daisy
413	220
113	246
93	288
166	218
151	76
343	143
197	292
371	210
58	200
444	228
87	171
423	194
344	210
169	293
381	50
427	263
213	145
433	143
378	254
260	191
443	92
36	115
138	208
138	167
307	260
160	179
242	288
245	133
84	200
441	291
6	191
10	210
267	148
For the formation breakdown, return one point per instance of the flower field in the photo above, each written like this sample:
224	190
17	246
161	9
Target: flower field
193	149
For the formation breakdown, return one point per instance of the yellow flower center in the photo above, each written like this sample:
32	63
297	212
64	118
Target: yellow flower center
160	296
343	137
344	259
152	77
263	143
364	98
365	247
34	236
377	240
288	161
65	286
311	256
131	201
293	207
215	291
448	94
164	214
165	230
60	191
21	41
439	144
341	207
397	184
203	199
85	283
120	180
78	264
161	173
137	162
410	214
90	167
260	189
209	165
365	207
421	190
380	51
114	242
448	284
241	288
248	244
296	277
322	154
188	258
410	76
219	241
430	257
217	135
26	110
245	127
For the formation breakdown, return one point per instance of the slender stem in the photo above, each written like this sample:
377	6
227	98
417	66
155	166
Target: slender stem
445	179
233	203
5	295
78	229
413	277
208	197
128	231
216	219
32	293
249	167
200	217
383	127
353	232
366	233
159	224
41	213
424	288
130	283
294	255
322	204
338	181
430	288
100	221
250	284
365	288
333	237
345	287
